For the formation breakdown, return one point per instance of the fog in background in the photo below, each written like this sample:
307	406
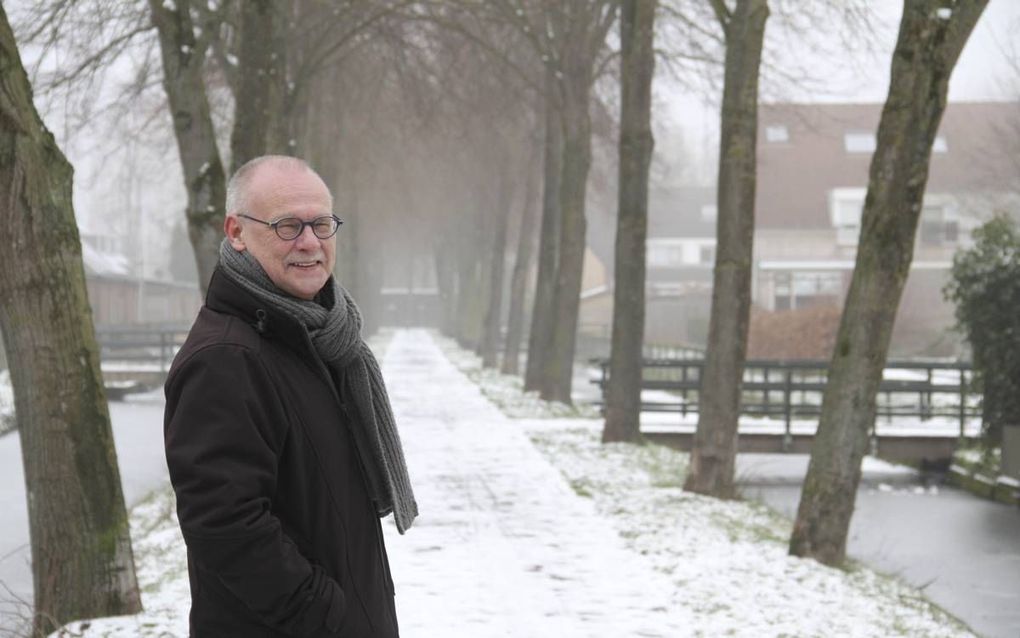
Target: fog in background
424	132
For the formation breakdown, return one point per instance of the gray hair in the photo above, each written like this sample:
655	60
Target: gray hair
240	181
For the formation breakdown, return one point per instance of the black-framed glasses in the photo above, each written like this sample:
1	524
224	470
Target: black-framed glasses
290	228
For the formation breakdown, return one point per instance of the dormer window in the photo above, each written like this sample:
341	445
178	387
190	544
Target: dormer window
845	208
859	142
777	133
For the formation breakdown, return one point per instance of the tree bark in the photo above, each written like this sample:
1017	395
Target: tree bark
583	29
497	267
261	83
929	43
637	65
522	266
715	442
82	562
183	56
470	294
576	123
540	334
446	281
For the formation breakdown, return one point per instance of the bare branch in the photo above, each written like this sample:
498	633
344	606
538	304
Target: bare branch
722	13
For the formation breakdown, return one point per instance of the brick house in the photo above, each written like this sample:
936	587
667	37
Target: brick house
813	162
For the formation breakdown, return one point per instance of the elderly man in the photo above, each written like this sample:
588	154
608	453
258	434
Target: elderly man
280	440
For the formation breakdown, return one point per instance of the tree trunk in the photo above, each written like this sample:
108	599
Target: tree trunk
260	82
497	266
470	295
183	57
540	334
447	285
637	65
715	442
576	122
82	561
929	43
522	265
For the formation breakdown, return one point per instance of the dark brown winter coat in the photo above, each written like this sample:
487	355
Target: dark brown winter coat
282	537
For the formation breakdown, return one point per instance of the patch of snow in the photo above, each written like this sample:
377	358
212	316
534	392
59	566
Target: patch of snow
1009	481
161	566
6	399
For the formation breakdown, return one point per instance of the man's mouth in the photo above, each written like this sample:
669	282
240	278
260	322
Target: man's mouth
305	264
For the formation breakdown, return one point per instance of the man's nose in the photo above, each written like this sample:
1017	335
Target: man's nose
307	239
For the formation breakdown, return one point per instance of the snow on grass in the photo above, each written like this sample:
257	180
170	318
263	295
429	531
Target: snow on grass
507	391
728	560
162	569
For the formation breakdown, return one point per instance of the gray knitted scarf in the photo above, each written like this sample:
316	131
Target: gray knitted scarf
333	323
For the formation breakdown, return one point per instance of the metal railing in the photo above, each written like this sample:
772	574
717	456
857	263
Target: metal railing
793	389
151	346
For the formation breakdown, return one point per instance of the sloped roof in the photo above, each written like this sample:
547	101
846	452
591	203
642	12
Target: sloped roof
795	176
676	211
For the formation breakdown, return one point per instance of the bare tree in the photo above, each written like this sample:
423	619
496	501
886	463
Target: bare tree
523	262
183	50
82	561
623	396
575	52
570	40
715	441
541	331
492	329
932	35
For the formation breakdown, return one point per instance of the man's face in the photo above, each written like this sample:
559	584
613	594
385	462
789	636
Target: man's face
299	267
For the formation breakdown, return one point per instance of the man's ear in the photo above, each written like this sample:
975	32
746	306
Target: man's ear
232	227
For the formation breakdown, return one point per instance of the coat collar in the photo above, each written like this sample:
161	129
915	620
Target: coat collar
227	297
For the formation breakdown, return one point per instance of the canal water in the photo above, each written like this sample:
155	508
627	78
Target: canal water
962	550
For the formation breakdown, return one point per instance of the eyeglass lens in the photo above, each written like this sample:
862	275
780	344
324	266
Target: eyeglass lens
291	227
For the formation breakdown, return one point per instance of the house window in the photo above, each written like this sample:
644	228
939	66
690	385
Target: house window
782	298
777	133
707	255
938	227
952	234
940	145
848	235
859	142
845	206
664	255
806	288
817	284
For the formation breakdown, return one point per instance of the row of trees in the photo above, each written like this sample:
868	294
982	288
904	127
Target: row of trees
465	125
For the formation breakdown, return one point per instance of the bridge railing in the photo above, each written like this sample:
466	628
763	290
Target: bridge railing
142	347
792	389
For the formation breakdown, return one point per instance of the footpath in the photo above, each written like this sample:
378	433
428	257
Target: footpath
503	546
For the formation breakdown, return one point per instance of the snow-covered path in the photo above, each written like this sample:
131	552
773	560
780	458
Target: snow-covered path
503	546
